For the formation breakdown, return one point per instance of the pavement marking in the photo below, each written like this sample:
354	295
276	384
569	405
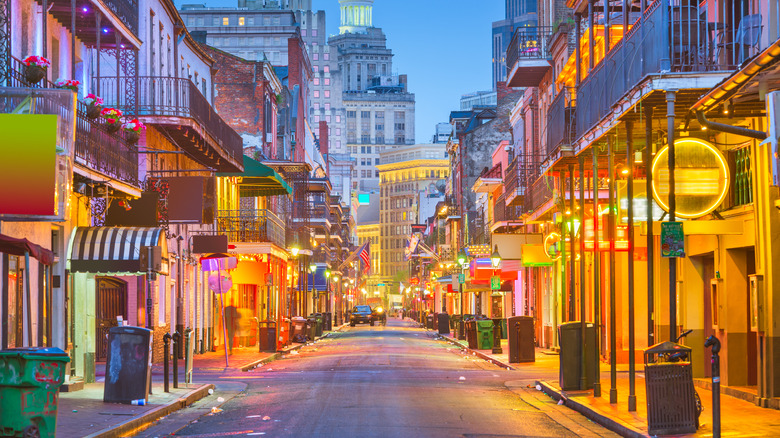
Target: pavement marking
242	377
205	435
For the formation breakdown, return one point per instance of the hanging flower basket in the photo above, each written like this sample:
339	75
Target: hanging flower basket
112	116
94	105
35	68
68	84
133	130
112	126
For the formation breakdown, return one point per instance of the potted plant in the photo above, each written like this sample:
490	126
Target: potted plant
112	116
94	105
35	69
70	84
133	130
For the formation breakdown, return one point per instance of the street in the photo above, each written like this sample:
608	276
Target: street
393	381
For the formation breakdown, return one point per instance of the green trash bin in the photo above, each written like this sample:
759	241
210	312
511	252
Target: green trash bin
484	334
30	380
319	320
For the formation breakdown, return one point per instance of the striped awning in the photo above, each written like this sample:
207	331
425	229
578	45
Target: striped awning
113	250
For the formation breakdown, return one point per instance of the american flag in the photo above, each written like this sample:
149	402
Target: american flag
365	255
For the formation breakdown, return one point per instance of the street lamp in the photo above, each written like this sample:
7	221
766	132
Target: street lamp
495	260
314	293
462	262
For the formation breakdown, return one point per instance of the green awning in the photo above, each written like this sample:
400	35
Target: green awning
257	179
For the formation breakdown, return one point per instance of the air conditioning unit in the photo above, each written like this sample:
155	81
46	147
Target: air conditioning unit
269	137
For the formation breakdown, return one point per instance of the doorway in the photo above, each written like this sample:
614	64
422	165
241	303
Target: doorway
752	343
111	301
708	274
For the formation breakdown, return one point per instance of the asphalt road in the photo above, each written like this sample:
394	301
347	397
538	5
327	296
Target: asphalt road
392	381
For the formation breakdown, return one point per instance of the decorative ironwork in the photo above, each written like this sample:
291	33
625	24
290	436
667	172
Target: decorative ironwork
126	11
743	177
161	187
249	225
98	206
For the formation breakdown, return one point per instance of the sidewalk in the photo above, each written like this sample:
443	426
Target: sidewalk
83	413
738	417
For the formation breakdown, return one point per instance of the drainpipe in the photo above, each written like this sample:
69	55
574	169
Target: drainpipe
722	127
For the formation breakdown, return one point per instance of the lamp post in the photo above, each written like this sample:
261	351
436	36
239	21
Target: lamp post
327	281
495	260
314	293
462	262
294	251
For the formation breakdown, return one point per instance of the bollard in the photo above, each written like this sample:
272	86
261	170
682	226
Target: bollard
713	342
188	355
497	337
176	342
166	356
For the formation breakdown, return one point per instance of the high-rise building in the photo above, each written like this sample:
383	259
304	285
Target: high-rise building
378	108
406	173
518	13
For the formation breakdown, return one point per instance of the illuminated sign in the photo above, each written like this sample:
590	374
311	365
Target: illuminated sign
701	177
621	236
551	245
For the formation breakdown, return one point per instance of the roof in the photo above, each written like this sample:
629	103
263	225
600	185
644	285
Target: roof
369	214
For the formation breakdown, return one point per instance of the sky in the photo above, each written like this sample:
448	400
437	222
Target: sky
443	46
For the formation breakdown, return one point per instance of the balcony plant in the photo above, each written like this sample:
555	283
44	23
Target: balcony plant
70	84
112	116
133	130
35	69
94	105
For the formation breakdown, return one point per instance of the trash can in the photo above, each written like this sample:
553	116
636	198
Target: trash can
318	324
30	383
328	321
484	334
284	334
521	339
300	330
444	324
429	321
128	364
471	333
266	332
570	356
671	398
311	325
454	321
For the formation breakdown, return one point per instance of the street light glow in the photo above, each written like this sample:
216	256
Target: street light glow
495	258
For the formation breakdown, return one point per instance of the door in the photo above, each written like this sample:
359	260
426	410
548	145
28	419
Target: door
111	301
752	343
708	273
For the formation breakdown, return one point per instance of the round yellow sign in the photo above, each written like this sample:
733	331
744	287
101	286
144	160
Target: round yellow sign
701	177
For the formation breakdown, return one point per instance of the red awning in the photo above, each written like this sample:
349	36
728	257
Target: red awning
12	245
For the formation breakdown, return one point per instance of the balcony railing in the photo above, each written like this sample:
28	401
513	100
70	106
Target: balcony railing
539	193
520	174
561	120
528	43
251	226
126	11
96	149
673	39
171	97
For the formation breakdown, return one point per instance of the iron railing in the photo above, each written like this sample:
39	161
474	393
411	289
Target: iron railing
251	226
529	43
172	97
96	148
742	183
561	120
672	39
538	193
126	11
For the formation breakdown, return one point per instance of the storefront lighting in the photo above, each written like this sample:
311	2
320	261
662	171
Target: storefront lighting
462	259
327	273
313	268
495	258
295	250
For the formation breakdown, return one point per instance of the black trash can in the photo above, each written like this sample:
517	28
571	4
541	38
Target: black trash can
318	323
311	326
444	324
429	321
521	339
454	322
328	321
266	335
299	331
570	336
671	398
128	365
471	333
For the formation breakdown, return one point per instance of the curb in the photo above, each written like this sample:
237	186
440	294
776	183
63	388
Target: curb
612	424
478	353
141	422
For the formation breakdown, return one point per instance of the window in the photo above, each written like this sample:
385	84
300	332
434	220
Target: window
240	21
225	21
303	32
338	118
376	162
316	56
362	149
326	69
351	114
376	172
368	149
327	104
365	138
250	21
327	92
326	56
316	81
215	21
363	174
316	93
314	32
365	114
379	127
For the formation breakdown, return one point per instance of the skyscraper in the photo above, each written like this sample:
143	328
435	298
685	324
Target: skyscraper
378	108
518	13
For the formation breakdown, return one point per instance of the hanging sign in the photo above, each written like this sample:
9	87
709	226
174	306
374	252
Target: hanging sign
216	287
701	177
461	278
495	282
672	239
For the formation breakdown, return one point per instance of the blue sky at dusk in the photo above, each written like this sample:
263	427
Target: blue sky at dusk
442	45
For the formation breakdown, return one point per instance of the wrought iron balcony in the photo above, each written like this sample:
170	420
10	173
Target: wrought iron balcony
251	226
520	174
539	193
125	13
672	39
561	120
528	56
177	106
96	149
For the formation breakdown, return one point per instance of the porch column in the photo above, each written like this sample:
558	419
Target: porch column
118	43
73	39
670	99
583	378
630	211
577	49
648	160
591	36
97	48
573	267
612	313
596	270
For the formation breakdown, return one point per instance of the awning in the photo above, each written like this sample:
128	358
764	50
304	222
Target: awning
257	179
535	255
445	279
14	246
113	250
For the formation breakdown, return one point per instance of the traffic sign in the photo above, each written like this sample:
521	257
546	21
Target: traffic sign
461	278
495	282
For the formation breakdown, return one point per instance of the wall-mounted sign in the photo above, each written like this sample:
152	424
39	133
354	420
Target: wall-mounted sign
552	246
701	177
621	236
639	203
672	239
495	282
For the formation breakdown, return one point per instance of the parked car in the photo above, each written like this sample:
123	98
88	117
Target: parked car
360	314
379	314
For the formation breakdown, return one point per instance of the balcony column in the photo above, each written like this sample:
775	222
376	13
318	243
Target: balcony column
612	310
591	35
671	97
73	39
118	47
562	185
577	49
596	270
98	17
573	267
648	160
606	27
631	312
45	31
583	379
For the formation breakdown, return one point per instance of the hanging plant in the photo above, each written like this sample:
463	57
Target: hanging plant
69	84
94	105
112	116
133	130
35	69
